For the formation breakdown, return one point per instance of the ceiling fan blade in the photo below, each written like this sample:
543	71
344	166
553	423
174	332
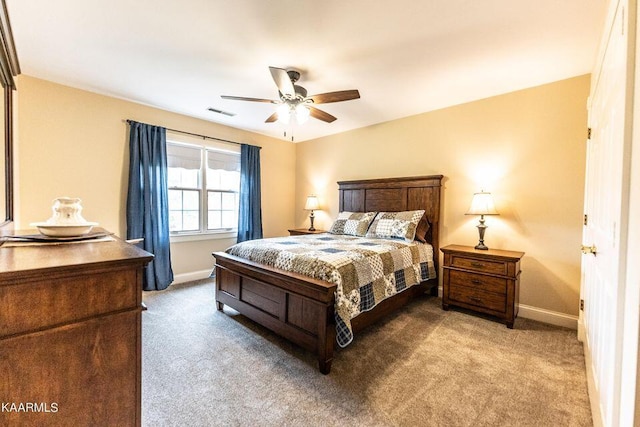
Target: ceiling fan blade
242	98
321	115
283	81
272	118
342	95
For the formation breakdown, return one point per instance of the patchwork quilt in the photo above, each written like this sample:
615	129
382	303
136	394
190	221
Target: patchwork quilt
365	270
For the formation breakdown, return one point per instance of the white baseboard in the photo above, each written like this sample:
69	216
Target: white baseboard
548	316
189	277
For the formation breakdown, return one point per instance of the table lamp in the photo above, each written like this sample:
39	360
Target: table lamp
482	204
311	205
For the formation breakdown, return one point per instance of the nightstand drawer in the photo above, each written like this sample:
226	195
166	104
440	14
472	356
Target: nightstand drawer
478	281
478	298
484	266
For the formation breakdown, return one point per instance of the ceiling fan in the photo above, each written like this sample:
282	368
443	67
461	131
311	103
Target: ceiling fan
294	99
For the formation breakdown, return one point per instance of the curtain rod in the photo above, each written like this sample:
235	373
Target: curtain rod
196	134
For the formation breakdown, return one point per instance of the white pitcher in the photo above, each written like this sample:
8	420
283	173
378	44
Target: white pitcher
66	211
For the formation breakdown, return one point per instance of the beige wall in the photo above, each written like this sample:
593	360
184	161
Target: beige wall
526	147
75	143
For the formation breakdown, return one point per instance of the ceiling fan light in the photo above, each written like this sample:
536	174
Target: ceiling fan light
302	114
284	114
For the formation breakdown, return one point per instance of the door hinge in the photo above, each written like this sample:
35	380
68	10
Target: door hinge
588	133
586	219
581	305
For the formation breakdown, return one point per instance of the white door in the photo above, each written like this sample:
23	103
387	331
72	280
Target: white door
602	288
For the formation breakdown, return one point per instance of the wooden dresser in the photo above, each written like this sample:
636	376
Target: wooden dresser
487	281
70	334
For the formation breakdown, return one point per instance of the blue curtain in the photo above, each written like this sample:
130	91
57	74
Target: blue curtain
250	212
148	201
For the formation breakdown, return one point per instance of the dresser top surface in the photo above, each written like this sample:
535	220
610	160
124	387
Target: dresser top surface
16	259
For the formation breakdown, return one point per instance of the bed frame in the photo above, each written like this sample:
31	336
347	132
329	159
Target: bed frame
301	309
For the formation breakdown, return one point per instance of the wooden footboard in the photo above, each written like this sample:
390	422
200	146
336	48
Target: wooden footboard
296	307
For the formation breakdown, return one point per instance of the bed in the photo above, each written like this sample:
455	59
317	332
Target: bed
302	309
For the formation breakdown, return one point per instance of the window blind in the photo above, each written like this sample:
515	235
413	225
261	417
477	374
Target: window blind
180	156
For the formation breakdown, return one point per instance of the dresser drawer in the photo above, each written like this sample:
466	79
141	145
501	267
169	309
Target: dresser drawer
478	281
90	369
477	297
485	266
31	306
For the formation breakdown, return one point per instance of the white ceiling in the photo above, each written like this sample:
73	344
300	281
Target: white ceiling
404	56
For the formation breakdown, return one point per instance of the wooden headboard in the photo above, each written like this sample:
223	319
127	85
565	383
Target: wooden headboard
394	195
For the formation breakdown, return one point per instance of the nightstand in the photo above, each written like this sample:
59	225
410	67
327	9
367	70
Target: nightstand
301	231
486	281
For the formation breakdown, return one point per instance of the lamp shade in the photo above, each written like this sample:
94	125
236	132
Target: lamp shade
312	203
482	204
302	114
284	113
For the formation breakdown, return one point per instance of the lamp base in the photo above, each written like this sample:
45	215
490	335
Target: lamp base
481	229
312	217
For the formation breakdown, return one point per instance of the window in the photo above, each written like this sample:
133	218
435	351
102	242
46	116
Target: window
223	186
204	183
184	165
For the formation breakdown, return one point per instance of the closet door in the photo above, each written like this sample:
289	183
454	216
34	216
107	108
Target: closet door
601	325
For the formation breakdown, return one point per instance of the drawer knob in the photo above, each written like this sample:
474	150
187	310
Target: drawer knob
474	299
476	282
477	265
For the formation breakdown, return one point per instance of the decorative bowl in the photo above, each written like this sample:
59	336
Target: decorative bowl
66	230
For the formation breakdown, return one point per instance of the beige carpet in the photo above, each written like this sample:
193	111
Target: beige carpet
420	367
